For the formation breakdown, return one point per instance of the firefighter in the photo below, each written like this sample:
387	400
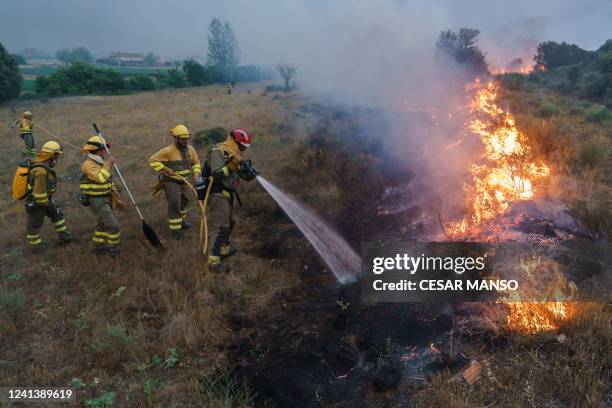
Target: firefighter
99	193
178	158
42	184
226	166
25	132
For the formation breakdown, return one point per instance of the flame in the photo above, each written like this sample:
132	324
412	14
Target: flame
534	317
523	69
506	173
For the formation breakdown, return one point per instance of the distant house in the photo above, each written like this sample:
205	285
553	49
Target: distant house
44	62
126	58
31	53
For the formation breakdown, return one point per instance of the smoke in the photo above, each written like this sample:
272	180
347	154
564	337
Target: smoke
360	50
369	53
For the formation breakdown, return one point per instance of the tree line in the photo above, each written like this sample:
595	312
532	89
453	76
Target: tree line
79	76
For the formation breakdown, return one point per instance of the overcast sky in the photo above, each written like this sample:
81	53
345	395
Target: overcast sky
334	42
273	29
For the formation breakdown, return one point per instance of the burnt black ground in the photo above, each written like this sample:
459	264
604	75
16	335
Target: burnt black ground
320	346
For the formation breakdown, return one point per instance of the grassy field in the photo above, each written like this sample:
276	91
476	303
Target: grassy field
29	70
147	328
160	330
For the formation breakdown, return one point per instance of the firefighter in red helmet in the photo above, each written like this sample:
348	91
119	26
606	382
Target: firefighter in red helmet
225	165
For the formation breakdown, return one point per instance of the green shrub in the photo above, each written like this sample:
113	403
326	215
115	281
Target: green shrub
594	86
548	109
222	389
172	78
512	81
106	400
598	113
210	136
12	301
141	82
116	337
81	78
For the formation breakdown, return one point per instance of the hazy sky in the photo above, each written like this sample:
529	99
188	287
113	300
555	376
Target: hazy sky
273	29
337	44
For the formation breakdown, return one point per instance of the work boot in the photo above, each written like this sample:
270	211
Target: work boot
38	249
215	264
67	238
114	252
100	250
220	267
186	225
227	251
178	235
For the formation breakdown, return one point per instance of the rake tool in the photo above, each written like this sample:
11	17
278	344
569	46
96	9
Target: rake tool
146	229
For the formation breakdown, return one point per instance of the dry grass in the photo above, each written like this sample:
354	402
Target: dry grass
107	319
577	149
537	370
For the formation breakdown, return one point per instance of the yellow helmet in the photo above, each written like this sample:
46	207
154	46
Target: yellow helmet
180	131
95	143
52	147
27	115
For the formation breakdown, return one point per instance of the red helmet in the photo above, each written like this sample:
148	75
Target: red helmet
241	137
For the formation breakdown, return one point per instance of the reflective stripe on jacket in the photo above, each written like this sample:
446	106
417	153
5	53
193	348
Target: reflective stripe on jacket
96	179
183	162
25	126
42	184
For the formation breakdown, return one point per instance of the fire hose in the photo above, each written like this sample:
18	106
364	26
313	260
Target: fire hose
203	239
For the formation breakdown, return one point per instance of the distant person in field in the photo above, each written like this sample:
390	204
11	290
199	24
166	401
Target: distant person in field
99	193
177	159
225	164
42	184
25	132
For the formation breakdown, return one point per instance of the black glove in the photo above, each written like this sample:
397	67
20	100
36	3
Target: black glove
200	186
247	171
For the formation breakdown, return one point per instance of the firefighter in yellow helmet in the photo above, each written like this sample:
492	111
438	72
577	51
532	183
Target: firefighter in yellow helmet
25	132
178	158
42	184
99	193
225	165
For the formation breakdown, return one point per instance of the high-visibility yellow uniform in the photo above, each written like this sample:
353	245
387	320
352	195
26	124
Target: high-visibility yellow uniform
97	187
223	164
42	184
185	162
25	132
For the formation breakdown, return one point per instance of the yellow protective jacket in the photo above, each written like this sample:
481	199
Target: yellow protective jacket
223	163
223	159
96	180
171	159
42	184
25	126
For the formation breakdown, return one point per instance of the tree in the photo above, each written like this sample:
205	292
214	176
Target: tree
150	59
196	73
19	59
10	78
288	72
64	55
551	55
223	51
81	54
78	54
461	47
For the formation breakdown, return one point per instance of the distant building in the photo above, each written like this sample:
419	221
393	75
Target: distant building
44	62
125	58
30	53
